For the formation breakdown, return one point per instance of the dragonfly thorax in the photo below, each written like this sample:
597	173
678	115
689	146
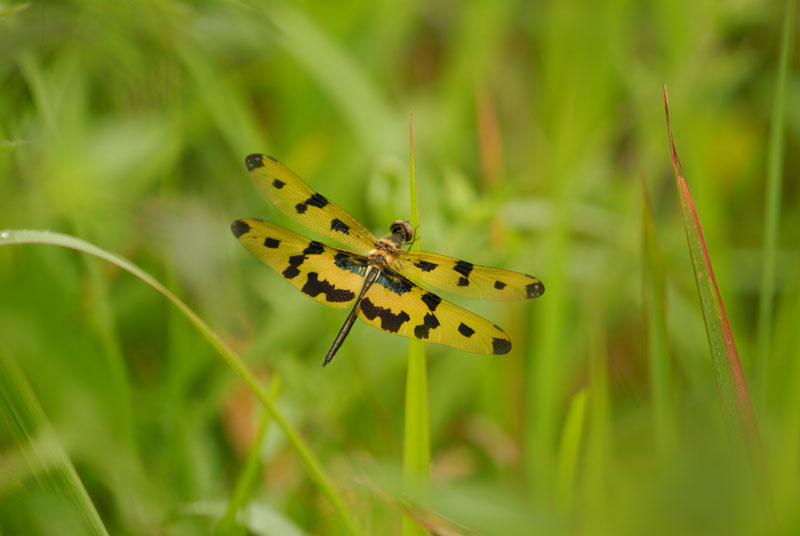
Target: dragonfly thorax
389	247
385	252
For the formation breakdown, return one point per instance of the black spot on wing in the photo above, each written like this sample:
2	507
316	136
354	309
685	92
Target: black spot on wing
431	300
499	285
316	200
350	263
534	290
423	330
278	184
500	346
253	161
291	271
465	330
339	225
463	267
425	266
390	321
398	285
314	248
268	156
239	227
315	286
271	243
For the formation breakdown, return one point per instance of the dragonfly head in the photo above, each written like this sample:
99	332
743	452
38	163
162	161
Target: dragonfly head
402	229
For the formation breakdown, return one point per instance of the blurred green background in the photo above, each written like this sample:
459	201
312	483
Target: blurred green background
127	123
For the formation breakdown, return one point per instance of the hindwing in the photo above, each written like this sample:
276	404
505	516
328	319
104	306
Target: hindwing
328	275
397	305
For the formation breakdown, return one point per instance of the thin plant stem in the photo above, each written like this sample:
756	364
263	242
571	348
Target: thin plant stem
416	443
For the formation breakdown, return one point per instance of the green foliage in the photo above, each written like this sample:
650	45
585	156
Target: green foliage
44	457
315	471
125	124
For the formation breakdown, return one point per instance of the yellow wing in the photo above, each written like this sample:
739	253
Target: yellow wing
325	274
396	305
297	200
467	279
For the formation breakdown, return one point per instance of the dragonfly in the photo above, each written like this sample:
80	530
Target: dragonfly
374	277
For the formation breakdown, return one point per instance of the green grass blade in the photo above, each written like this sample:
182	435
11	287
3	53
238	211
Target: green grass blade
416	439
569	450
599	453
654	313
736	406
26	421
312	465
772	200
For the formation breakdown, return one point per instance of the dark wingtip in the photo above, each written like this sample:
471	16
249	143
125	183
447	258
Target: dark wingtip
254	161
535	289
239	227
500	346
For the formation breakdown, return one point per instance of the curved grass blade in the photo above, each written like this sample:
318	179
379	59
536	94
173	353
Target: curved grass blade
416	438
312	465
772	201
49	463
736	406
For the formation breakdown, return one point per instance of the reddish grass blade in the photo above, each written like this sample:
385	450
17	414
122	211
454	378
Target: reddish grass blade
736	406
490	143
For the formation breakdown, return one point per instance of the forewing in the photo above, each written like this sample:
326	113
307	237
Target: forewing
328	275
297	200
467	279
396	305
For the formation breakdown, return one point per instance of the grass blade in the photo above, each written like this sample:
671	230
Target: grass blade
569	450
654	313
312	465
41	448
598	455
416	439
772	200
736	406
